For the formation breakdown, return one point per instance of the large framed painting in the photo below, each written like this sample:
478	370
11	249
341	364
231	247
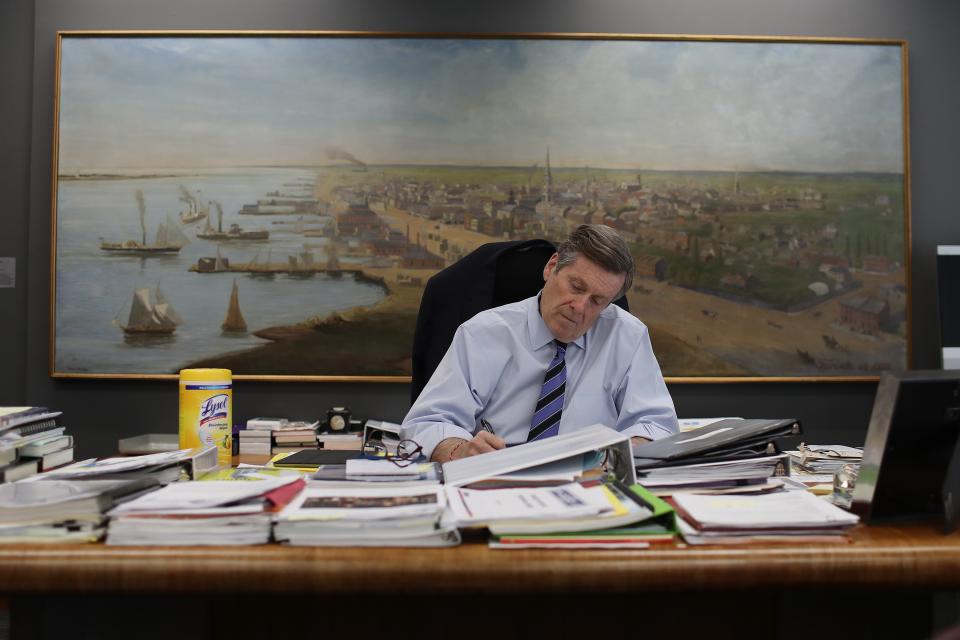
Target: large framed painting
275	202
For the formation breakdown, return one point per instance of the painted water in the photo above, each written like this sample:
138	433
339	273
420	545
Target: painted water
94	289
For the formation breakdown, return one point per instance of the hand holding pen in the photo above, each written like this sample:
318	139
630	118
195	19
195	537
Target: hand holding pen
484	440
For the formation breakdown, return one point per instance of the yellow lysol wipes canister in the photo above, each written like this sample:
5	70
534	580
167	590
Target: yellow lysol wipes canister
206	411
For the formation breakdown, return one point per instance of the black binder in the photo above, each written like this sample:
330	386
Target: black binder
729	439
317	457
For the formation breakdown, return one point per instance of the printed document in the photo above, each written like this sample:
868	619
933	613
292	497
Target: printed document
482	506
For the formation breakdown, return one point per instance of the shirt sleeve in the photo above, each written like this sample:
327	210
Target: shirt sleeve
646	408
449	404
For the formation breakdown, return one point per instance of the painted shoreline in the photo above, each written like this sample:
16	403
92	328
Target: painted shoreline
363	341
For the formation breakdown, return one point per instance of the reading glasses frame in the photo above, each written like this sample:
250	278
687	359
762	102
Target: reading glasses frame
408	452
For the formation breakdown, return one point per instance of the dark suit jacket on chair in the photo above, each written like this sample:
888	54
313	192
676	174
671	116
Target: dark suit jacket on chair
493	274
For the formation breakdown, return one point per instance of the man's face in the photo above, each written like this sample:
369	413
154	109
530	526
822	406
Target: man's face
574	296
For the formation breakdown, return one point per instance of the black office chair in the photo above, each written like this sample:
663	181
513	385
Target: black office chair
492	275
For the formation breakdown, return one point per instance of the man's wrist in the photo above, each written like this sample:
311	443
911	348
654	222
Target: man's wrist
444	451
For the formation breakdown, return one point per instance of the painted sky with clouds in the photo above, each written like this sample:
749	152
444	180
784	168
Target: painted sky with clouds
134	102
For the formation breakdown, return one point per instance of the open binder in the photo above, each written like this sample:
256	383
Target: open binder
616	445
729	439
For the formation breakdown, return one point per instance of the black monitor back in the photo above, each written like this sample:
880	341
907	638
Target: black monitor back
910	454
948	290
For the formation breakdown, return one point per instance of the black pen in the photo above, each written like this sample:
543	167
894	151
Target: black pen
486	426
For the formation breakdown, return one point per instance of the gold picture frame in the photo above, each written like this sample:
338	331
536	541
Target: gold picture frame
274	202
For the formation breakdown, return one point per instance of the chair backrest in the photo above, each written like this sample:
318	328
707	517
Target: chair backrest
492	275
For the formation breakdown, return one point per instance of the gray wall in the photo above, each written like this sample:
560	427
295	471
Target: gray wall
100	411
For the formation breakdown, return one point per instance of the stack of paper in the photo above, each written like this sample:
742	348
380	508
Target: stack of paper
785	515
212	512
367	516
825	459
61	510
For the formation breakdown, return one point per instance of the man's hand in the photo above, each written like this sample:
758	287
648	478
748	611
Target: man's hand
639	440
456	448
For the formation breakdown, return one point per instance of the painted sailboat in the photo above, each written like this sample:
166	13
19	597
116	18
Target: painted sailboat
259	269
333	260
234	322
301	265
169	239
157	317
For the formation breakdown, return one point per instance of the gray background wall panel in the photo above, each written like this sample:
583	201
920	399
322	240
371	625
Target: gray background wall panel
16	78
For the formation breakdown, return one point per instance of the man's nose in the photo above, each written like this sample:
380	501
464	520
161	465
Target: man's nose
579	303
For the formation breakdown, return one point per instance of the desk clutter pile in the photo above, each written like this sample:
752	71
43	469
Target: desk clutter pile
728	483
31	441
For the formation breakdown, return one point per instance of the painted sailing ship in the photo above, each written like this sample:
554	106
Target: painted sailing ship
169	239
234	322
194	212
234	233
157	317
262	270
302	264
333	260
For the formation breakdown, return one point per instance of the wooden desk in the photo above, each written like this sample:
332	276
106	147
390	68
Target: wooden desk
883	584
912	556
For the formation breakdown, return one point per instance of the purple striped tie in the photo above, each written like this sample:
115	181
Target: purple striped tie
546	416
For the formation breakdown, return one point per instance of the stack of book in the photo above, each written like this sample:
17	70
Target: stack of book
255	441
270	436
595	515
367	516
216	512
31	442
343	441
62	510
575	490
295	436
781	516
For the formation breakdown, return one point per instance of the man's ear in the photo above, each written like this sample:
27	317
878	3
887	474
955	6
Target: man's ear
550	266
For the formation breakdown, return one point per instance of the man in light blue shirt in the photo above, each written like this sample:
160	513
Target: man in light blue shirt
494	368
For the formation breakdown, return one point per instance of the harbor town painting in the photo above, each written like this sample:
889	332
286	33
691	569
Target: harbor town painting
275	203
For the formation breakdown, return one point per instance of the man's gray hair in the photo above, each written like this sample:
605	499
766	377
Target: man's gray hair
602	245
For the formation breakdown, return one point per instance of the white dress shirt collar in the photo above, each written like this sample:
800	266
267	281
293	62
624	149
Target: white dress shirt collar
537	330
